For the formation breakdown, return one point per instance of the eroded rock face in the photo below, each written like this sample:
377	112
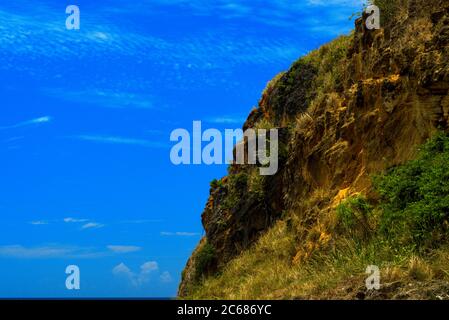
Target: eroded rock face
231	229
394	94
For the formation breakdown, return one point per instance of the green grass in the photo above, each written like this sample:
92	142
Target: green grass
330	61
392	233
354	217
266	270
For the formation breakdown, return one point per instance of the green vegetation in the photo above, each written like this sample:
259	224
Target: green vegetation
354	217
292	92
330	62
204	259
266	270
322	244
273	82
413	210
215	184
264	124
256	183
389	9
390	231
415	197
237	185
249	183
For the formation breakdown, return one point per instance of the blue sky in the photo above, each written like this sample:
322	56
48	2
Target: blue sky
86	117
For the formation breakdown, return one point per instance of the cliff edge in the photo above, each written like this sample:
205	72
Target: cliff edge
358	108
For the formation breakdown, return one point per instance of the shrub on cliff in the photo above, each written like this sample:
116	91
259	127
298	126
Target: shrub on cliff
236	186
415	196
354	217
215	184
204	259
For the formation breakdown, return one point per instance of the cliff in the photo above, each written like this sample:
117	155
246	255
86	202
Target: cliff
347	112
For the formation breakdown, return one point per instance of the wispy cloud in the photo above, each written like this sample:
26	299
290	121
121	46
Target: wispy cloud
336	2
86	223
120	140
13	139
227	120
60	251
188	60
31	122
123	249
39	223
265	12
74	220
141	221
48	251
219	47
180	234
92	225
106	98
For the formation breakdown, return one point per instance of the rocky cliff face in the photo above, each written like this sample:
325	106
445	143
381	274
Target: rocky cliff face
351	109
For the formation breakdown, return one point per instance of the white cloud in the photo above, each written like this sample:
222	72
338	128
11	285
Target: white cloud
148	267
141	221
13	139
121	269
180	234
86	223
104	98
266	12
119	140
198	51
328	3
39	120
123	249
136	279
49	251
74	220
92	225
213	52
19	251
28	123
165	277
227	120
39	223
187	234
